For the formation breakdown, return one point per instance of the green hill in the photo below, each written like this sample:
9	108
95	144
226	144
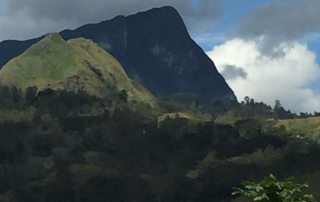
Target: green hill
77	64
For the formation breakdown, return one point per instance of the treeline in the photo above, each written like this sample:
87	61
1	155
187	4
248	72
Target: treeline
246	109
66	146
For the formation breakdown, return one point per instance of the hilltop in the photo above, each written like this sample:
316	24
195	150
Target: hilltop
77	64
155	49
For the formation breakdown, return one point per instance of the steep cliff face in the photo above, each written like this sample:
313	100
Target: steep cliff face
154	48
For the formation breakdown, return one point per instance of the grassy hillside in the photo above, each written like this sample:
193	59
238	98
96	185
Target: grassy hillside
294	123
77	64
191	118
43	64
309	127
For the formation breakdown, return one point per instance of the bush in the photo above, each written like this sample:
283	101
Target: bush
273	190
248	128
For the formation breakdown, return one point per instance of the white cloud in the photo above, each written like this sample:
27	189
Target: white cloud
284	77
21	19
280	21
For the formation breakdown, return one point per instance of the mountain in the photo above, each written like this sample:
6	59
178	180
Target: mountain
76	64
154	48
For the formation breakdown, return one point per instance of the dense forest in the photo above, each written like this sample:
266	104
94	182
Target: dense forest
66	146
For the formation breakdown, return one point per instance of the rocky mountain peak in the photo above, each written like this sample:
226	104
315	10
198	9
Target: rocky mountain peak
154	47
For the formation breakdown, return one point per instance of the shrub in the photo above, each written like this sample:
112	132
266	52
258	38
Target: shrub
273	190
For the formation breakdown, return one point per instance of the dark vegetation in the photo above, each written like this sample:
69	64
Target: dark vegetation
65	146
246	109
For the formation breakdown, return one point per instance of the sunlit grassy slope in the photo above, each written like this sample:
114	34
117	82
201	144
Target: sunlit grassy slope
293	123
75	64
47	62
305	126
192	118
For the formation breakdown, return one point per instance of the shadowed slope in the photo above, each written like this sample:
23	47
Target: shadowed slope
154	48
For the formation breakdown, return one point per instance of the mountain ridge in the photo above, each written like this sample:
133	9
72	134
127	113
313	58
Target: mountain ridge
154	48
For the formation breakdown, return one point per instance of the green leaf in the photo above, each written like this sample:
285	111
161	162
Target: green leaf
271	189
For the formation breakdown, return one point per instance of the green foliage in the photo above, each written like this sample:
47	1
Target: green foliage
75	147
306	130
249	128
273	190
260	157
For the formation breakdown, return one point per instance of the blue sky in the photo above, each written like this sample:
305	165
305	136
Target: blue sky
300	88
234	11
314	45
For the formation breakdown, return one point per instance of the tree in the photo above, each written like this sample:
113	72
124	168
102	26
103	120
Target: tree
16	97
277	104
123	96
251	102
273	190
247	99
31	95
276	109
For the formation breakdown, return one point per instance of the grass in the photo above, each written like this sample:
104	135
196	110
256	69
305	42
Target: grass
48	62
307	127
111	70
75	64
142	93
227	118
192	118
294	123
